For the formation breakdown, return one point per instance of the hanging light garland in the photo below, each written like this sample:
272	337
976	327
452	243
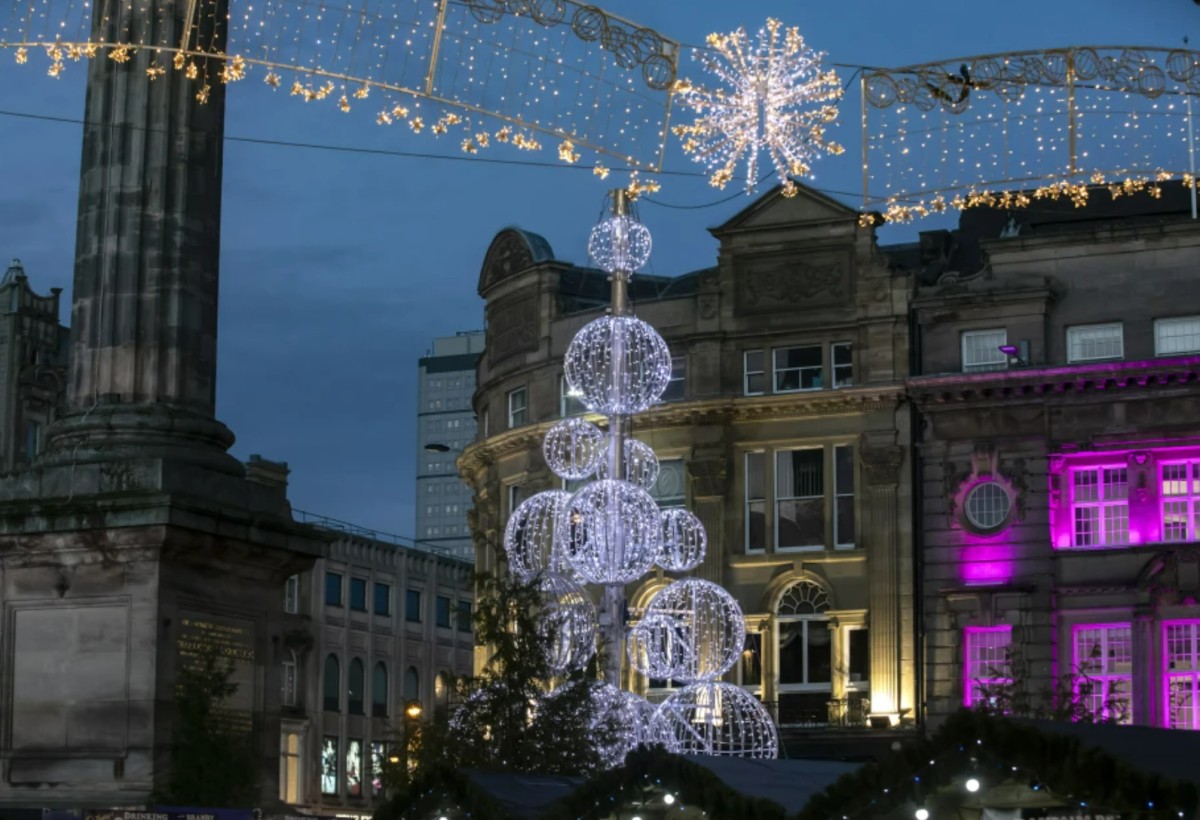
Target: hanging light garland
773	97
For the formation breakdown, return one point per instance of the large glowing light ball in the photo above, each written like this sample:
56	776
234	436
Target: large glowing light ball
711	626
641	712
712	718
641	465
609	532
529	534
619	244
684	541
567	624
619	363
653	646
574	448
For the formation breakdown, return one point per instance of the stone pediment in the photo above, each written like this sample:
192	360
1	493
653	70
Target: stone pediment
773	210
512	251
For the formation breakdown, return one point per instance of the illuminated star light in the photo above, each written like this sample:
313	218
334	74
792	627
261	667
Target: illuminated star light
776	98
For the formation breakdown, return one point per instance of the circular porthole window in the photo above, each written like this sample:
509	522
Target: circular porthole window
987	505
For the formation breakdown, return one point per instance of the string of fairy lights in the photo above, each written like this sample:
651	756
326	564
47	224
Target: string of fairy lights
997	130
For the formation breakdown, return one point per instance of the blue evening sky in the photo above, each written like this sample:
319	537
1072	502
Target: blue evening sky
338	269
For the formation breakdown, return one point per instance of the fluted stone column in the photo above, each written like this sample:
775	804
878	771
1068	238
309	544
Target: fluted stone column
881	468
142	379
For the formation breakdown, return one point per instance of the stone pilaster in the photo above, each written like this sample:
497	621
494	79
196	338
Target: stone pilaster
708	504
881	469
1146	660
142	376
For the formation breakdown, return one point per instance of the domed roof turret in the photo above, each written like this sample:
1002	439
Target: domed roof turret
14	270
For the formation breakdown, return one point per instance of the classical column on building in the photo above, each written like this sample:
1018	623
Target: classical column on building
143	350
1145	669
707	476
881	470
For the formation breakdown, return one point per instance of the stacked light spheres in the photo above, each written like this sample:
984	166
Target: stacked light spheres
610	532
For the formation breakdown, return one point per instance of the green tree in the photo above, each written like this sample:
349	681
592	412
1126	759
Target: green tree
211	764
1069	697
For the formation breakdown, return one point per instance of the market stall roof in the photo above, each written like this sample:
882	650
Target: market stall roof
790	783
1169	753
523	795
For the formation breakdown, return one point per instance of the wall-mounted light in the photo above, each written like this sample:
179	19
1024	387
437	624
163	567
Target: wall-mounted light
1017	354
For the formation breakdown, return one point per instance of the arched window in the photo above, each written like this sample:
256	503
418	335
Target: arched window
441	688
332	684
355	684
379	690
803	639
412	684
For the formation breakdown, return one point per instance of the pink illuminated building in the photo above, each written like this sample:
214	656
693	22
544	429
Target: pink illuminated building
1058	417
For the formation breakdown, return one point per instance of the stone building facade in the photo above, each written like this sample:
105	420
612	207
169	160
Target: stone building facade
376	625
1058	534
783	428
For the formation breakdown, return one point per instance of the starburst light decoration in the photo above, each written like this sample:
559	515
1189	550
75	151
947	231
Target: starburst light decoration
611	532
774	98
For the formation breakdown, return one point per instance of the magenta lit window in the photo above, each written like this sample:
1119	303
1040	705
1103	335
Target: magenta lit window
1100	506
1104	654
1181	674
1181	501
986	661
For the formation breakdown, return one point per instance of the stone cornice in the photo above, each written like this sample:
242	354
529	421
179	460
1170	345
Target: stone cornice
933	393
722	410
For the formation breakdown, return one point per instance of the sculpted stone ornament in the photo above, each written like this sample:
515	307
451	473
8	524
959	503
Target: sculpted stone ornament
881	465
773	287
512	328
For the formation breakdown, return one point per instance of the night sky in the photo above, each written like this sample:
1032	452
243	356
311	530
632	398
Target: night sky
339	268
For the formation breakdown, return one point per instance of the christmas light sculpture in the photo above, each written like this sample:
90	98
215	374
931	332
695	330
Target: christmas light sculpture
574	448
529	534
774	98
641	465
611	532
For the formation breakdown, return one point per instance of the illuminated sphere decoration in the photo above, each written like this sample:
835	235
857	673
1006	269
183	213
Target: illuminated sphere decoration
619	245
711	626
650	645
641	465
641	714
609	532
529	534
567	623
591	365
574	448
683	541
712	718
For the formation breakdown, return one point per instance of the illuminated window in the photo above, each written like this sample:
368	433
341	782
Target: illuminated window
987	505
986	662
568	400
379	753
800	498
354	786
754	374
1103	659
1181	501
1100	506
841	354
1180	334
517	407
669	490
981	350
329	765
804	644
1087	343
1181	673
798	368
290	757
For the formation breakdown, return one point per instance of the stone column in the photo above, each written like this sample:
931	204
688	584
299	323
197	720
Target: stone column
881	469
142	378
708	503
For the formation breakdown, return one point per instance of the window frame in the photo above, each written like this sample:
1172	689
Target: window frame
357	583
330	742
679	364
1189	499
838	543
835	382
517	416
848	683
340	597
463	616
1075	330
1164	323
291	595
1001	363
969	660
1107	679
290	680
819	617
776	370
356	673
387	599
747	372
408	606
777	498
1170	673
1102	504
441	622
565	400
747	501
379	705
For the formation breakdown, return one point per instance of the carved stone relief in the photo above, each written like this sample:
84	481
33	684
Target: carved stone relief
509	254
512	328
781	282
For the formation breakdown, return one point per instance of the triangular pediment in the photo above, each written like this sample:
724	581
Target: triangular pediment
774	210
